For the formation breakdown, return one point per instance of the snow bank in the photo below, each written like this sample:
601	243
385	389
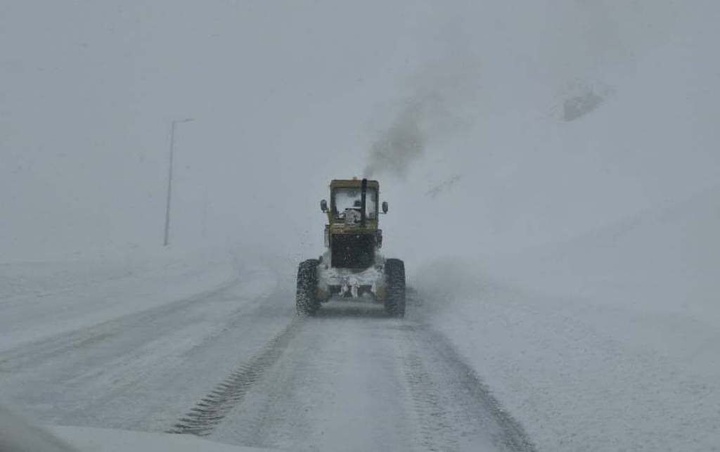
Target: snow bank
17	434
607	342
583	279
45	298
110	440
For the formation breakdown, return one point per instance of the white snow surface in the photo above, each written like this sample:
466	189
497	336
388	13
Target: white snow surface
43	299
20	435
111	440
104	347
607	342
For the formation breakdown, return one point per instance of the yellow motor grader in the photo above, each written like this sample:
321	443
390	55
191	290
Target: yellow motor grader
352	265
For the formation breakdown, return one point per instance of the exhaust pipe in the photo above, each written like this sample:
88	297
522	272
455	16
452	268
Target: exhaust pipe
363	202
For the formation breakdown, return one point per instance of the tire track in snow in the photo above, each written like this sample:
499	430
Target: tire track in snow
448	406
430	416
207	414
454	409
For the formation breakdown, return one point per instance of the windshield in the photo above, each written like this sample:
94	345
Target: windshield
349	198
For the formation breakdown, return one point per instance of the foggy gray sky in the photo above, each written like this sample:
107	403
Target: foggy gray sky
287	95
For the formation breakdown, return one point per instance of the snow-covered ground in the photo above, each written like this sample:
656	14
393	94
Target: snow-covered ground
607	342
195	343
603	342
18	434
44	299
581	275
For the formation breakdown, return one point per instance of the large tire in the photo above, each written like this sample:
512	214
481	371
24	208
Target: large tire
306	298
395	280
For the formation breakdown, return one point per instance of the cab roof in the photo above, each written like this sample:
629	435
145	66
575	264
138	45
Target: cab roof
353	183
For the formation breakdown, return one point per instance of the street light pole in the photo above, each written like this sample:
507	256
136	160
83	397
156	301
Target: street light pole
166	240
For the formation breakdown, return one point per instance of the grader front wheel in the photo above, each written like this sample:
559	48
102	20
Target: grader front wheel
306	298
395	280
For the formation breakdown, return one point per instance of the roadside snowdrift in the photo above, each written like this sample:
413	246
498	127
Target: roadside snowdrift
46	298
607	342
581	281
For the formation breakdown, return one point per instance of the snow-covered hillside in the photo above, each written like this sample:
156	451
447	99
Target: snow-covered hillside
586	293
518	174
607	342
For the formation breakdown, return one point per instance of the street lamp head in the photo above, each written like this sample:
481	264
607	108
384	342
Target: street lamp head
177	121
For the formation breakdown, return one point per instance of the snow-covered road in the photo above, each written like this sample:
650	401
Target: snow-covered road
353	377
234	364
